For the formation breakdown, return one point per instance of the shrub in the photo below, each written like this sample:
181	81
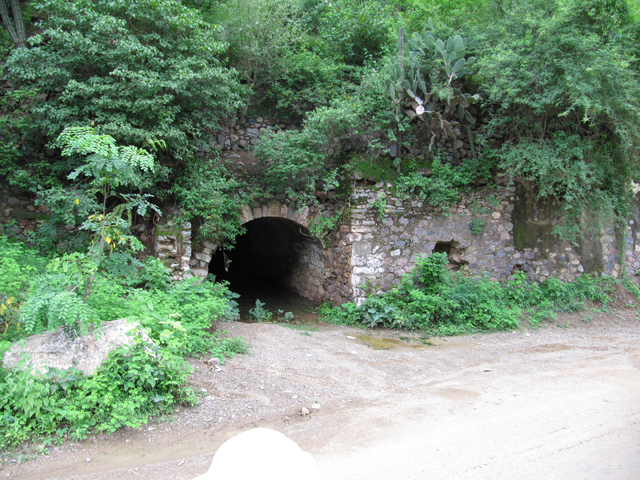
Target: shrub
134	383
431	298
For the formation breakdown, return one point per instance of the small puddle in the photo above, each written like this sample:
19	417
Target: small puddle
390	343
423	341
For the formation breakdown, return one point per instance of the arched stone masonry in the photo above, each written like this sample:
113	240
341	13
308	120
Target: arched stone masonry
321	268
495	232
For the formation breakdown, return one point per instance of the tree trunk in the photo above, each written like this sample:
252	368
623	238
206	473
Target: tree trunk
17	18
18	34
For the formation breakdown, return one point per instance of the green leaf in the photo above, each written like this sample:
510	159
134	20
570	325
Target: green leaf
429	40
459	65
457	43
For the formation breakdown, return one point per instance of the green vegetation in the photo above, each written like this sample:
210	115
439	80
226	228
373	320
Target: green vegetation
434	300
77	291
259	313
137	381
110	110
378	87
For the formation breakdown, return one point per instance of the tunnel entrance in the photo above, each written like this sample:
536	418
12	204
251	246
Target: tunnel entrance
274	257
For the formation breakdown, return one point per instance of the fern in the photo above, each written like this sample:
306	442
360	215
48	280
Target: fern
57	298
66	311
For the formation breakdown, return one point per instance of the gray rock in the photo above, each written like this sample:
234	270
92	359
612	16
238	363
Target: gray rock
393	150
59	350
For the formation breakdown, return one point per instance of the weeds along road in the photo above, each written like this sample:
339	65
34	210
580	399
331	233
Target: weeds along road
556	402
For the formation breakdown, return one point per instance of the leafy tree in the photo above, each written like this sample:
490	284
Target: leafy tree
213	198
260	34
137	71
552	72
358	30
458	15
59	298
302	159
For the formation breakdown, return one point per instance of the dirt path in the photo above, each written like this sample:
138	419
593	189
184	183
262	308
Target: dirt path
548	403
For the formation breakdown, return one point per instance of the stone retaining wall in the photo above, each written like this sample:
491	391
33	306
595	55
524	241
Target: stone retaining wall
495	232
478	234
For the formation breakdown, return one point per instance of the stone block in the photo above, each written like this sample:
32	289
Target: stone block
246	214
274	208
374	262
361	229
365	271
203	257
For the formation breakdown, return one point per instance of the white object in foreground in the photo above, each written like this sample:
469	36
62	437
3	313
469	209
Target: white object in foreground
261	453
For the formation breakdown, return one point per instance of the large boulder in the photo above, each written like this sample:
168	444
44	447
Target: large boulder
59	350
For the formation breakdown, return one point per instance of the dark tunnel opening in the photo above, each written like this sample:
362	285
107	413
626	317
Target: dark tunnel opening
263	259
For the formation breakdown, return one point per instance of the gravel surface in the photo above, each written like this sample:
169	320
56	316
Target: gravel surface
555	402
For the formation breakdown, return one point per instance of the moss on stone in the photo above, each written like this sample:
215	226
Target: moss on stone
591	256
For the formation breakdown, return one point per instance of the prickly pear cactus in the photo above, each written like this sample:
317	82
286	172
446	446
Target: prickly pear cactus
425	88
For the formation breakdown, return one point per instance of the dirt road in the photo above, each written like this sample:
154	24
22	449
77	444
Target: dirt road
557	402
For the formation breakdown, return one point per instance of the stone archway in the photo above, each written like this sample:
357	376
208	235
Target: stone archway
275	254
277	251
319	272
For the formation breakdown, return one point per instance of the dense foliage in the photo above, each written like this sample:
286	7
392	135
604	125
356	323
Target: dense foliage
75	292
374	82
138	380
434	300
142	72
